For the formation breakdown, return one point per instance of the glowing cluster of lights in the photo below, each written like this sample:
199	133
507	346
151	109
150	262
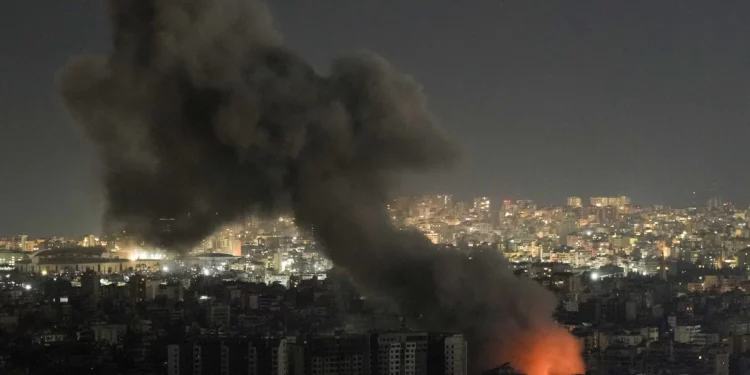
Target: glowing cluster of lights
146	255
285	264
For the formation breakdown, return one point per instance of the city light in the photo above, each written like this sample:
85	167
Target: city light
197	124
146	255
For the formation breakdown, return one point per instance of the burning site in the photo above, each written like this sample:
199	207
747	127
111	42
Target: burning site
200	112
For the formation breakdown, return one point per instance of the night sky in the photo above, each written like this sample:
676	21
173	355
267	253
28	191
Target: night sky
547	98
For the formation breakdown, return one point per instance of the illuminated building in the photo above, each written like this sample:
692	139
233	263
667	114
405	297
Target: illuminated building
482	207
90	241
10	257
438	203
80	259
140	254
228	246
620	201
599	201
743	259
574	201
137	288
21	241
208	261
432	236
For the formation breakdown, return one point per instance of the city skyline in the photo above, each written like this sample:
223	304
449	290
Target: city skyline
477	209
491	205
626	277
547	101
355	187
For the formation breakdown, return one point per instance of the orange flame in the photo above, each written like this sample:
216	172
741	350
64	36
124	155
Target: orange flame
551	352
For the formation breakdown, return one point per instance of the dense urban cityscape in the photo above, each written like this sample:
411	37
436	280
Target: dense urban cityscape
650	289
254	187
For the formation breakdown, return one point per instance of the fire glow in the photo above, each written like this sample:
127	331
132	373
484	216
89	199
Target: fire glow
552	352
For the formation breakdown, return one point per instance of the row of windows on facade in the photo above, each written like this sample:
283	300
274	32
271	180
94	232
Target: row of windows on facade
334	360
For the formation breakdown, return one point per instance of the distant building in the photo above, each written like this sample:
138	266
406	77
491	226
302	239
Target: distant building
90	241
620	201
172	292
11	257
90	289
447	354
251	356
574	201
137	288
432	236
20	241
568	226
399	353
482	207
337	354
219	316
72	259
743	259
112	334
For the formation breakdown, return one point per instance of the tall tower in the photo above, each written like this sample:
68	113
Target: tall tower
90	290
482	207
663	268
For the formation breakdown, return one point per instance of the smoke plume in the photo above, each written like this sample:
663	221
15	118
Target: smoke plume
200	113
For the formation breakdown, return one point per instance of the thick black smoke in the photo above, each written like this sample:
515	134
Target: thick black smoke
201	114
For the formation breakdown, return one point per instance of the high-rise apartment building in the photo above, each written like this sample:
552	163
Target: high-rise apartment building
90	290
574	201
384	353
137	288
447	354
620	201
251	356
427	206
482	207
20	241
399	353
219	316
337	354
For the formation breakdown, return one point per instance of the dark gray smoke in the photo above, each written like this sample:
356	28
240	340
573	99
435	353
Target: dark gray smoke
201	114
